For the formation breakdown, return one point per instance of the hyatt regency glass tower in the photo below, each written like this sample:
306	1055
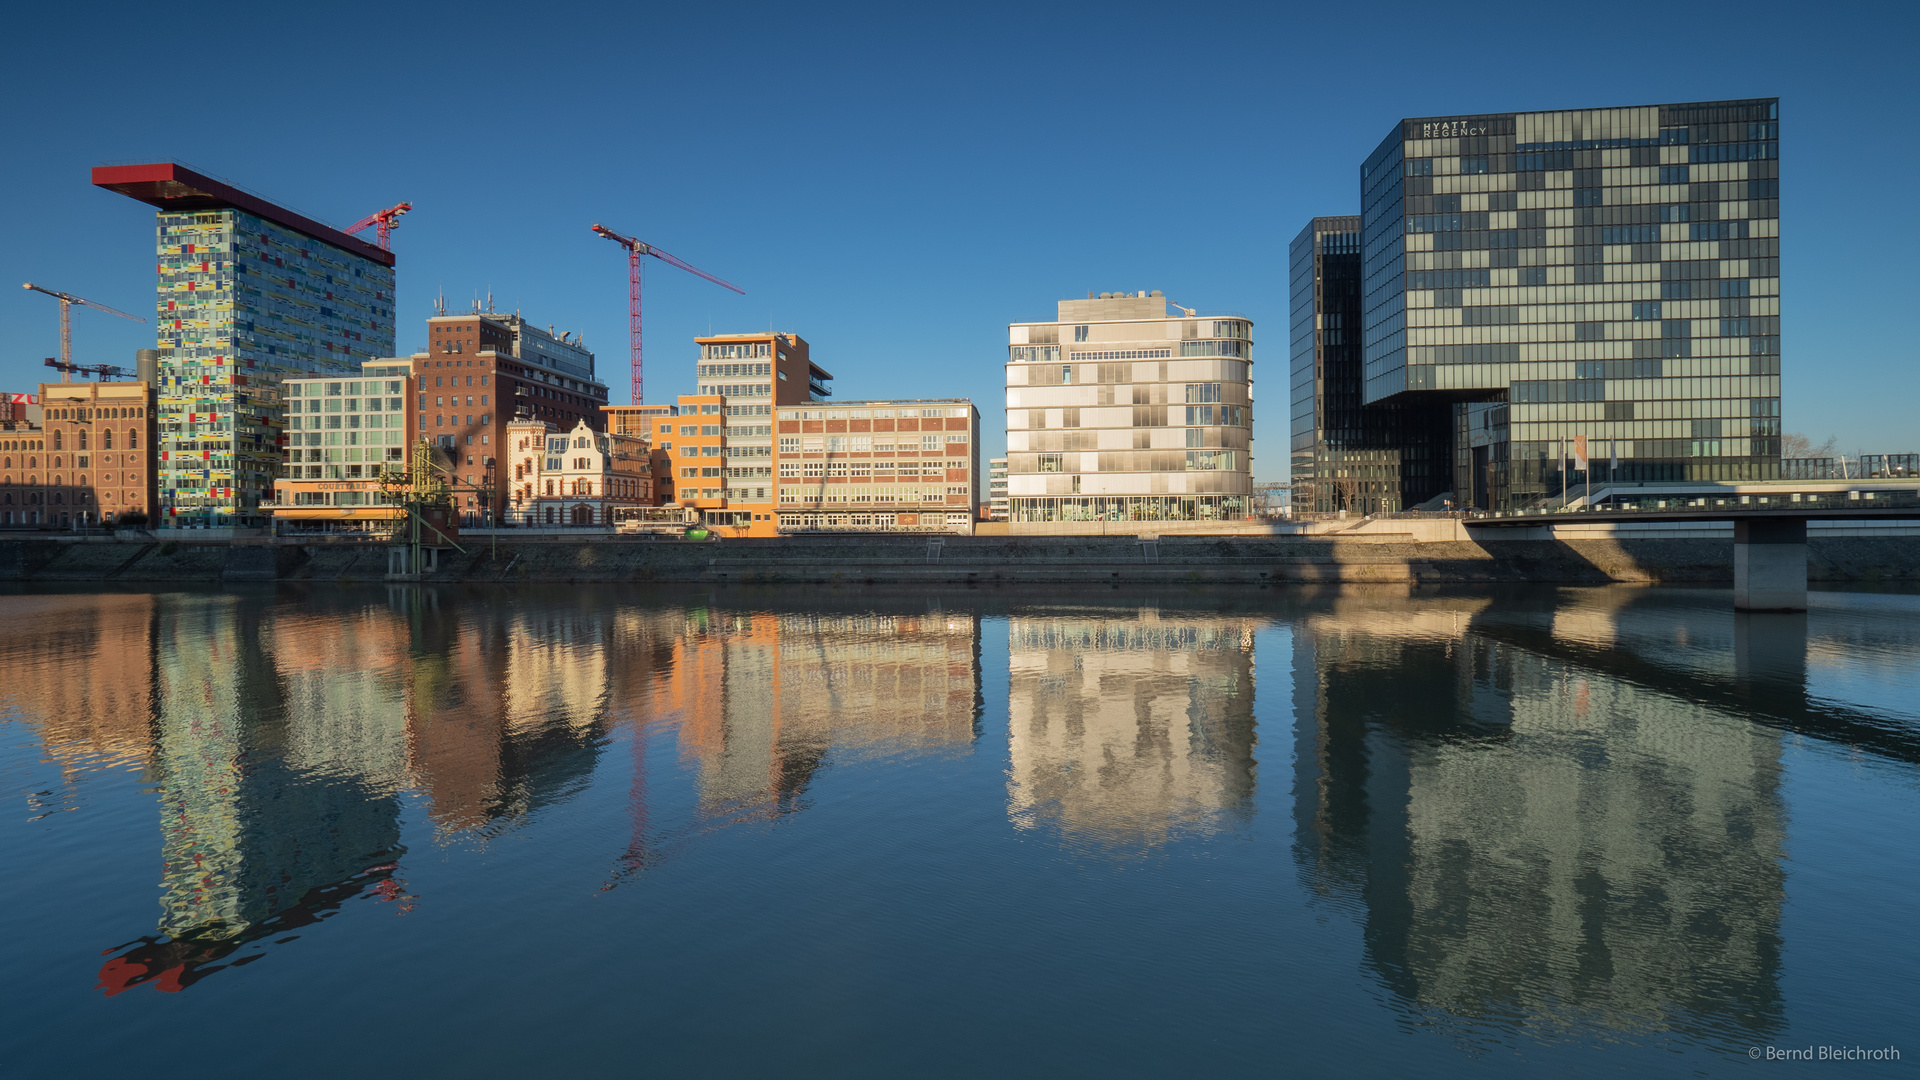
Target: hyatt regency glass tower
1608	277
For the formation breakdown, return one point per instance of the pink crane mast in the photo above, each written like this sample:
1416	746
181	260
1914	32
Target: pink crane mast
635	249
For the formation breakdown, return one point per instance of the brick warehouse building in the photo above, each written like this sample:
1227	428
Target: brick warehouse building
477	370
92	460
877	465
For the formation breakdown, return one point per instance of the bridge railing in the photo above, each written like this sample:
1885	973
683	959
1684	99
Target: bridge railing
1856	499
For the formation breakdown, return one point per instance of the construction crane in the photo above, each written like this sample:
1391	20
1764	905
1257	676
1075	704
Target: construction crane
104	372
635	249
67	300
383	222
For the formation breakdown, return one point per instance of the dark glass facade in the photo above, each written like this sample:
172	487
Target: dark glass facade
1611	275
1347	455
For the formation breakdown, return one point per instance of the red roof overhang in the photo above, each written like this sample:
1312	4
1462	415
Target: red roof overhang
177	188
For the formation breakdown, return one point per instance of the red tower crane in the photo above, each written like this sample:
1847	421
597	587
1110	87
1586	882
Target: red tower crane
635	249
384	223
67	300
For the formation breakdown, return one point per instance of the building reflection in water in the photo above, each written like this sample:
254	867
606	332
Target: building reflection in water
1548	812
1532	845
281	734
758	697
1129	728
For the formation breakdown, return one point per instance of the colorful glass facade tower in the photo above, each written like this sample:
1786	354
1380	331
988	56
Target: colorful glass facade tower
250	293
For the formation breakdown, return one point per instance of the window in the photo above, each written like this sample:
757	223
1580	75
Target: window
1052	462
1200	393
1079	333
1066	374
1209	459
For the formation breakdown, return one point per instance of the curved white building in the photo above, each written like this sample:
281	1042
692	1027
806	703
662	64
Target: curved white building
1118	412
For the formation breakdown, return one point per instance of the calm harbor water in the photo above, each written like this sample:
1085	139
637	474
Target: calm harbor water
531	832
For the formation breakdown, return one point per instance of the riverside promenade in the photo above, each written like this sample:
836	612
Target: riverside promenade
883	558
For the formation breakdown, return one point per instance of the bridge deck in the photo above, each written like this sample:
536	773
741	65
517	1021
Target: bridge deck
1863	510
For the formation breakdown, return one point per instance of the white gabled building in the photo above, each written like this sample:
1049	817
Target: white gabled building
578	477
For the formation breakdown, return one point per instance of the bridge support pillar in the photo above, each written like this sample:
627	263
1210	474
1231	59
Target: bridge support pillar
1770	564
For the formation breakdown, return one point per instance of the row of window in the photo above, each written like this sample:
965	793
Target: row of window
81	414
1564	161
1128	508
80	440
1196	461
737	352
1704	201
353	405
792	495
859	521
296	389
958	411
868	444
866	468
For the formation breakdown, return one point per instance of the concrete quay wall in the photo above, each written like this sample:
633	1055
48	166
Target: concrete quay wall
906	559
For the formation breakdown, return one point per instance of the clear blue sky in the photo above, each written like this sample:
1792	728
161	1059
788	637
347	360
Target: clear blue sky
896	183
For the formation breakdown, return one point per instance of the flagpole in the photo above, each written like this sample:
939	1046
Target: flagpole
1563	470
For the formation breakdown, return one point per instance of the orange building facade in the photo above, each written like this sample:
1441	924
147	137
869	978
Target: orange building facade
723	449
638	421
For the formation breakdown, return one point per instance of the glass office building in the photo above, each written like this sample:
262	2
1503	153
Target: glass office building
1345	455
1606	275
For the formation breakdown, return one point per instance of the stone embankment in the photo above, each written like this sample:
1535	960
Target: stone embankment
985	561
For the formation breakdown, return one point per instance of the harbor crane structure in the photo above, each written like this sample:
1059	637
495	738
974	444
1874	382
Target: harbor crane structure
101	372
383	222
67	301
635	249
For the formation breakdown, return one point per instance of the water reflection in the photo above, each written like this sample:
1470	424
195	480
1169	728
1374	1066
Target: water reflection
281	734
758	697
1551	814
1129	727
1532	845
